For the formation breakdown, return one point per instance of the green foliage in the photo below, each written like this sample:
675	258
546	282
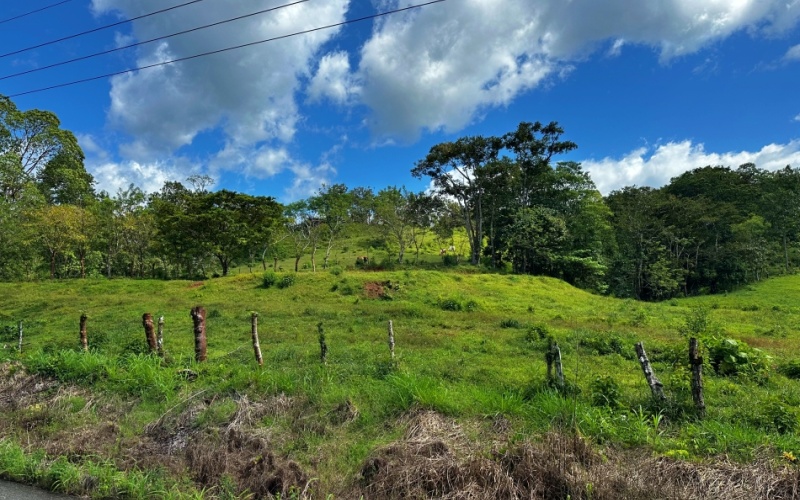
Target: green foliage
450	304
269	279
734	357
606	392
286	281
790	369
510	323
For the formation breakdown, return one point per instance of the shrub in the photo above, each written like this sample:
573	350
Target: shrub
735	357
471	305
270	278
604	345
510	323
450	305
286	281
791	369
536	333
606	392
336	270
450	260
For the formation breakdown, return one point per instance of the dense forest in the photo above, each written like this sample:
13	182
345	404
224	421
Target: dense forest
503	203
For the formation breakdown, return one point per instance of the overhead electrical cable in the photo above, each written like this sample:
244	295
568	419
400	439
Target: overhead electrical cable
151	40
100	28
227	49
41	9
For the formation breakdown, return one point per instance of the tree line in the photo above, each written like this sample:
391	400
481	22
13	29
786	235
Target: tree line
506	200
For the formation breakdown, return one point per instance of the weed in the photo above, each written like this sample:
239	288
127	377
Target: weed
510	323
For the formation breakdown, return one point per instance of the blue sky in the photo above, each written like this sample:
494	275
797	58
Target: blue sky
646	89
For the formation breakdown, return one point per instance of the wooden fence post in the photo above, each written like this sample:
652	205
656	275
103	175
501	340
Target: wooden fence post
84	338
19	345
696	361
256	345
160	336
553	358
323	346
656	387
391	339
149	332
198	314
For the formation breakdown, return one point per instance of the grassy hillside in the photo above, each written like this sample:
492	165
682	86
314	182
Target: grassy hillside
469	374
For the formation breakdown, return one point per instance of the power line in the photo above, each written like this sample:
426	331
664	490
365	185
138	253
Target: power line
8	20
105	52
227	49
94	30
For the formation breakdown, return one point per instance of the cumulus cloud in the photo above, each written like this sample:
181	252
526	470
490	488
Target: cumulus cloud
333	80
648	167
248	94
441	67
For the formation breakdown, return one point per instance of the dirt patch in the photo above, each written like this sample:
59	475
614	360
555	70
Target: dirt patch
196	284
374	290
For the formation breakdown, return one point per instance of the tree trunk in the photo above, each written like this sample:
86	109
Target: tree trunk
52	265
275	265
19	346
296	263
656	387
84	337
198	314
697	377
314	259
256	344
149	332
553	359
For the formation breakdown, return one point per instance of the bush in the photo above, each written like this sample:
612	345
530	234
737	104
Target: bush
269	279
510	323
286	281
450	305
606	392
450	260
336	270
791	369
734	357
536	333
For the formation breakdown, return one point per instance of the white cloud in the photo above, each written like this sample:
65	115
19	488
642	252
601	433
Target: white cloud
249	95
441	67
333	80
647	167
308	179
793	54
797	118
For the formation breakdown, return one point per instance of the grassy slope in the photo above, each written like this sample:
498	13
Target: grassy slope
463	364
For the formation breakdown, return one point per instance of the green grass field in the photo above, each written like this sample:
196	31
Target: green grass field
470	352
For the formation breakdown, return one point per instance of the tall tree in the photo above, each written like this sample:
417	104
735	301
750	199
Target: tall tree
453	167
33	138
331	205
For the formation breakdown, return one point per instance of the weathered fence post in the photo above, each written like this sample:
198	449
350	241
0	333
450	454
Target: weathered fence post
160	336
391	339
84	338
656	387
199	317
256	345
323	346
553	358
149	331
19	346
697	377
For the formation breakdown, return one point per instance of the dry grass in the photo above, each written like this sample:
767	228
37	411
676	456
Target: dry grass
434	460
